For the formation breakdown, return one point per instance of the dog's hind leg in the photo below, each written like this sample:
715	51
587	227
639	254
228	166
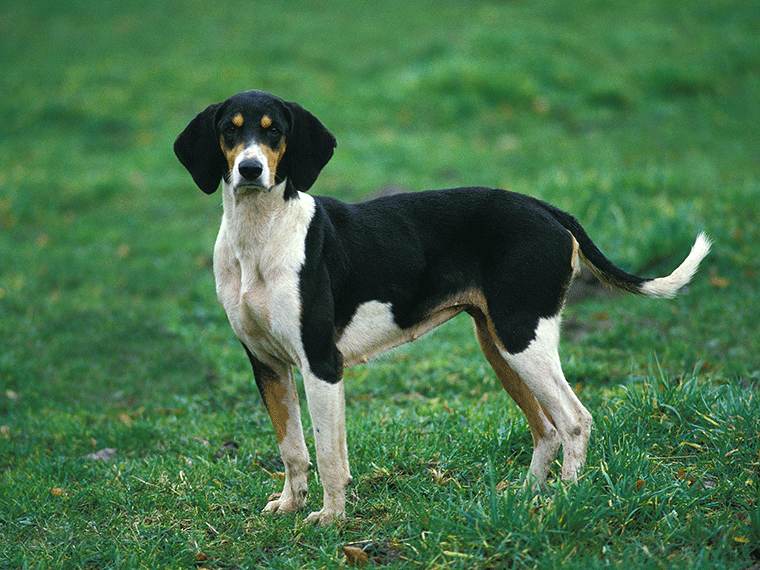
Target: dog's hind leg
546	440
538	366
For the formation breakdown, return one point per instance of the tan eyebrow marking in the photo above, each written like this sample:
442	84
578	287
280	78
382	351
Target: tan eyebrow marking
266	122
238	120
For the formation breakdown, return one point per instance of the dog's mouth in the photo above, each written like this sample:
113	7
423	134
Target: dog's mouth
250	187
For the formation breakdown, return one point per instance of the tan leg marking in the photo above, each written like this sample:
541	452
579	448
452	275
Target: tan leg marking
281	399
546	440
511	382
275	395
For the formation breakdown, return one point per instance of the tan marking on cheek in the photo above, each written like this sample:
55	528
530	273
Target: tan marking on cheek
238	120
266	122
231	153
274	155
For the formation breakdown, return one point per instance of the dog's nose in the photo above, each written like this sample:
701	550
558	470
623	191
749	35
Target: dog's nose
250	169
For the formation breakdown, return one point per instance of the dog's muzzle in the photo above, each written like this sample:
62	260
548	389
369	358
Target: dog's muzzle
251	173
251	170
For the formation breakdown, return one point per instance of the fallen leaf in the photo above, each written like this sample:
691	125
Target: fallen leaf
639	484
717	282
57	492
707	484
355	556
437	474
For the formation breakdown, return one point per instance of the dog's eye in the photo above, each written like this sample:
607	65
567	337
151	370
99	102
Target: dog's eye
230	130
273	131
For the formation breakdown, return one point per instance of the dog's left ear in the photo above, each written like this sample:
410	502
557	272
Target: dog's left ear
200	151
309	146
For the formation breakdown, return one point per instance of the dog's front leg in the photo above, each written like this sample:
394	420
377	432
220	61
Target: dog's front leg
278	391
328	414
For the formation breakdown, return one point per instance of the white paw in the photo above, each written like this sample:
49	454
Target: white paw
325	517
279	504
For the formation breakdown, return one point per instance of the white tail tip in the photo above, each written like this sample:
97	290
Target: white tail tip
669	286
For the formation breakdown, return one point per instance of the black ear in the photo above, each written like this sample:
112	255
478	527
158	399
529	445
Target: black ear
199	150
309	146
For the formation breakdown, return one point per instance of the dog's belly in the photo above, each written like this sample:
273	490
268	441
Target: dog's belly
373	330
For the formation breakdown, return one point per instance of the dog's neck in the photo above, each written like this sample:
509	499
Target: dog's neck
264	221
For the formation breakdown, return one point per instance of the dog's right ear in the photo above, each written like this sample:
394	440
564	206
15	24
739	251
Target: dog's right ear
199	150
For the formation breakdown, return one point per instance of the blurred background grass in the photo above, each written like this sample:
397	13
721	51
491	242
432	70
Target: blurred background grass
640	118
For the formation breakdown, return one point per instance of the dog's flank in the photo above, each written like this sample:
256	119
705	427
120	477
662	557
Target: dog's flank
317	284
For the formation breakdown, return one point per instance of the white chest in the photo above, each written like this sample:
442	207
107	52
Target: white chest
257	260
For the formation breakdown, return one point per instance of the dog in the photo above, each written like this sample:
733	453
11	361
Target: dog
313	283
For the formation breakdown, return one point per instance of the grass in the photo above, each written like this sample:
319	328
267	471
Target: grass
636	117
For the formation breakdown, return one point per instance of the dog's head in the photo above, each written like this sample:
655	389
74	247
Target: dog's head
254	141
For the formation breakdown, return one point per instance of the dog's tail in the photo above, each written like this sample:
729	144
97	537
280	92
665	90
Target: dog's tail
612	275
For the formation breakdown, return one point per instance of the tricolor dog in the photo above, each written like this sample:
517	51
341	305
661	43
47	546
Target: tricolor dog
311	282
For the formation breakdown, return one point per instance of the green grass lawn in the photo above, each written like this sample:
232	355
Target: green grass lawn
641	118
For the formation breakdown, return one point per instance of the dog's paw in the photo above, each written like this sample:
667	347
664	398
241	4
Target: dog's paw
278	504
325	517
